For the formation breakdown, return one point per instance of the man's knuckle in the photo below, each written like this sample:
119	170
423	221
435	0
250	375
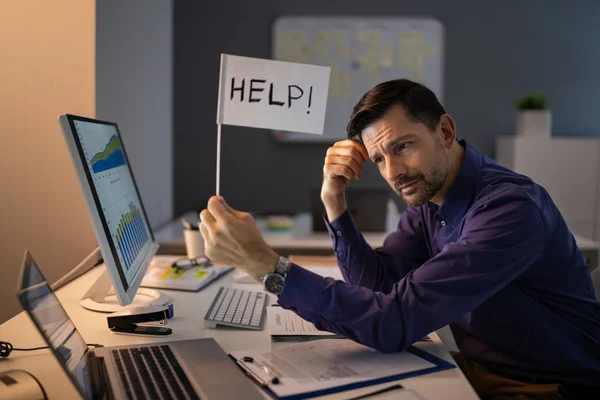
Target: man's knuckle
219	231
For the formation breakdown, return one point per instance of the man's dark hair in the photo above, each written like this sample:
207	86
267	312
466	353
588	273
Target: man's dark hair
419	102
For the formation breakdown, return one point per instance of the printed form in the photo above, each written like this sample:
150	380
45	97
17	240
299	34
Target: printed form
322	364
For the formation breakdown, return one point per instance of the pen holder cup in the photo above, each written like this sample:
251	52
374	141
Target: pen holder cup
194	243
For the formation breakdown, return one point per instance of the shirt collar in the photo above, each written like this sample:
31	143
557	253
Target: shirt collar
459	197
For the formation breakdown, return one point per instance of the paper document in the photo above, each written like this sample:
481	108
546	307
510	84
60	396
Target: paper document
285	324
305	369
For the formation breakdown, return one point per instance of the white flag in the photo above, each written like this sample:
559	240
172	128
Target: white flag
272	94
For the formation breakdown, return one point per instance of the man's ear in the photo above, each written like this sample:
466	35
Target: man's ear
448	129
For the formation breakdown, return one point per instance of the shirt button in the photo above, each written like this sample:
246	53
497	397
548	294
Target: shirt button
443	223
339	233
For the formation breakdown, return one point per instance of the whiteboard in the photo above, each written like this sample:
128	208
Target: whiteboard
362	52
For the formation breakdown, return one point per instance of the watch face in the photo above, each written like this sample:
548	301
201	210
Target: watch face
274	283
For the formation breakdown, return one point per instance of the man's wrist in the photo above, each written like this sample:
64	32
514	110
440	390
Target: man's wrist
266	264
333	198
334	207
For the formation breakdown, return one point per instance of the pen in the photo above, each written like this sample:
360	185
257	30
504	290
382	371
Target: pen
397	386
241	362
275	379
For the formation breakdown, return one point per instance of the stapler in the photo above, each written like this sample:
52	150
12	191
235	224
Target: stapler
146	320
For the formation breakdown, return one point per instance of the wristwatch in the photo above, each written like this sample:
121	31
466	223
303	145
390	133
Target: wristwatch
275	280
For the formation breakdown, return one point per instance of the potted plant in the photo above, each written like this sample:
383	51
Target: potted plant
533	117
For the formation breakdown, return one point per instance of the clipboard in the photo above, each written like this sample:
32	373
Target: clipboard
271	385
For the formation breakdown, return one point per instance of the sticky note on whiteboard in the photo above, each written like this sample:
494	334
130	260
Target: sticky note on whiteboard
272	94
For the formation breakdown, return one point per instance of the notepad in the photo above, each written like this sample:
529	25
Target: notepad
316	368
193	279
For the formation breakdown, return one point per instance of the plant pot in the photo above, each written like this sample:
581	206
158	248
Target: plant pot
534	123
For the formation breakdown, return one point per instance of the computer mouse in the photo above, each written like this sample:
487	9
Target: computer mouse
19	384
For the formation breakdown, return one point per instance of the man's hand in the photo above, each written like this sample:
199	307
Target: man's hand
343	163
232	238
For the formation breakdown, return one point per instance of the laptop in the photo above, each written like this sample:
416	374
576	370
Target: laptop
186	369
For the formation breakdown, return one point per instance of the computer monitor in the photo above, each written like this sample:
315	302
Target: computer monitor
116	210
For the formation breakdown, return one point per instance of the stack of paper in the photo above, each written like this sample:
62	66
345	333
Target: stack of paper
286	326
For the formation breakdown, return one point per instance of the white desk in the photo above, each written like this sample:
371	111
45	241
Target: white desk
301	239
188	323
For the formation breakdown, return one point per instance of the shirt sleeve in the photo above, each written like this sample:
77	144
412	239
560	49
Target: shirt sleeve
378	269
499	242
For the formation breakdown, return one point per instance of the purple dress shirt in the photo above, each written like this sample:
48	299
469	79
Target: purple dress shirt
495	261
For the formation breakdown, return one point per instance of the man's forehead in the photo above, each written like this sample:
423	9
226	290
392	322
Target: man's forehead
395	121
388	136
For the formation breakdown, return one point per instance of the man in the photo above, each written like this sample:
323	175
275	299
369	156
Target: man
479	247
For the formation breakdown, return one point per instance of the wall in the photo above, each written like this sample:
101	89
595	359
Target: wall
495	52
134	89
46	69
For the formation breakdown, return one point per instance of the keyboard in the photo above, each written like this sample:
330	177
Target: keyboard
152	372
239	308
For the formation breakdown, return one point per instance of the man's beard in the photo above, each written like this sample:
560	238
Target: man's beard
427	187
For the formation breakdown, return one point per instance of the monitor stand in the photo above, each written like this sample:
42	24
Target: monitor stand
101	297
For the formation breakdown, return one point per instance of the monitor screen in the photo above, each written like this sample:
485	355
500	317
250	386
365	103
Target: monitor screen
40	302
115	194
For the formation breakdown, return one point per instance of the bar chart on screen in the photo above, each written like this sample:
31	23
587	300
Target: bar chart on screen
130	235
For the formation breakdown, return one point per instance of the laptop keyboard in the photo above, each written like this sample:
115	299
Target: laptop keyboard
237	307
152	372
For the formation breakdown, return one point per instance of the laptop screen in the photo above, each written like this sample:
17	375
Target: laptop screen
42	305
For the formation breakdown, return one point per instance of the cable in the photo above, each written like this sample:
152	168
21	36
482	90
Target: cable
6	348
90	261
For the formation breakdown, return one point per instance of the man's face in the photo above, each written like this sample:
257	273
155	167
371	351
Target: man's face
411	158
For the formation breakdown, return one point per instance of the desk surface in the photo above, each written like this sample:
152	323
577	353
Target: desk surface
301	236
188	323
